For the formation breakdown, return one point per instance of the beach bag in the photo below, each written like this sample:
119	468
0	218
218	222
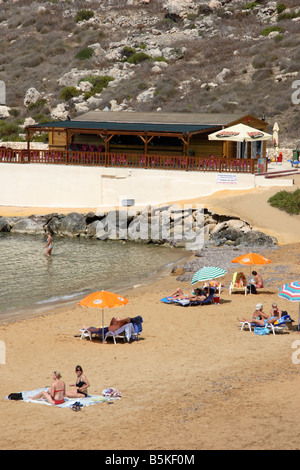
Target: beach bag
15	396
261	331
111	393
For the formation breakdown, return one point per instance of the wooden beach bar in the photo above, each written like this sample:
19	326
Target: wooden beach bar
175	141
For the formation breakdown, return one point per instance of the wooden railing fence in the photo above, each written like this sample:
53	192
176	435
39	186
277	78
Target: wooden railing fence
159	162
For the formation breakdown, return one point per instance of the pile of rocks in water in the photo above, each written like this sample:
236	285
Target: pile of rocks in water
171	225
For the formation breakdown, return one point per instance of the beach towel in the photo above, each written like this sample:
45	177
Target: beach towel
137	324
69	402
167	300
128	329
283	319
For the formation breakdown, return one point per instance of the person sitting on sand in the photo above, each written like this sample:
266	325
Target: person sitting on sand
56	393
198	295
259	317
115	324
81	385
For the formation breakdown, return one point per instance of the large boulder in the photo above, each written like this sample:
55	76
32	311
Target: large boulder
73	225
28	226
32	96
4	111
4	225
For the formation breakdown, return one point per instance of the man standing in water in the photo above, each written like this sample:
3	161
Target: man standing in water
49	245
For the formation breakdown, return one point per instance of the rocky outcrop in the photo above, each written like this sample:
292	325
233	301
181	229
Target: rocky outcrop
27	226
186	227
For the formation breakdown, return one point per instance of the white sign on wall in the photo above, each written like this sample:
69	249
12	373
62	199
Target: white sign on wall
226	178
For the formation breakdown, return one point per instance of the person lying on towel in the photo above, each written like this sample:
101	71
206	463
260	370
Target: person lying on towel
197	295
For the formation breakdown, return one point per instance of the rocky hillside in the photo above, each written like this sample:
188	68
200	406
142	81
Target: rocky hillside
60	58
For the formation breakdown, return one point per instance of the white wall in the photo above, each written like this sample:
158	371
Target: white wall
38	185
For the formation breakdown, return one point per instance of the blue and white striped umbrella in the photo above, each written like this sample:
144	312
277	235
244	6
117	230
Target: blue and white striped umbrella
291	291
207	273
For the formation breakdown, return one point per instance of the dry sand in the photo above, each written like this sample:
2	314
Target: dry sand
194	381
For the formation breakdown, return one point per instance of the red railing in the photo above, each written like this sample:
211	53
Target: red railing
159	162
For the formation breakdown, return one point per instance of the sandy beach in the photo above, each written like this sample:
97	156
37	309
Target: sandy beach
193	381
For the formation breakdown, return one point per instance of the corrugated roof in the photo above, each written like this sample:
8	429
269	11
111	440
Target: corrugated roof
210	119
145	122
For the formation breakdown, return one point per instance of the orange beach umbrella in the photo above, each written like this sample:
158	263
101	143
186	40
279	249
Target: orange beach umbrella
102	299
250	259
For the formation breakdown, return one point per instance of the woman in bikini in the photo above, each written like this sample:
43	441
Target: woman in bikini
258	280
56	393
49	245
81	385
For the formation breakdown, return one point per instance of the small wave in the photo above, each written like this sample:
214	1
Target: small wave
62	298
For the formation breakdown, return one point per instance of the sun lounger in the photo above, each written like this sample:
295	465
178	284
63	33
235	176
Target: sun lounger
277	327
129	331
233	287
126	332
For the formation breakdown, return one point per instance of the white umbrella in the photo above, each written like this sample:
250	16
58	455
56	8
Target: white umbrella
240	133
275	138
207	273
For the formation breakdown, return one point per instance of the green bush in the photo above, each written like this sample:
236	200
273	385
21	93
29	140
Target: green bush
69	92
138	57
9	131
85	53
267	31
286	201
250	6
288	16
280	7
84	15
38	104
98	82
128	51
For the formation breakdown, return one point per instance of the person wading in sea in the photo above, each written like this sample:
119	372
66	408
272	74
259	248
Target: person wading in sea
49	245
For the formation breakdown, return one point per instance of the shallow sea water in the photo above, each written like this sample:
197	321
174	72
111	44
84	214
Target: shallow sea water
32	282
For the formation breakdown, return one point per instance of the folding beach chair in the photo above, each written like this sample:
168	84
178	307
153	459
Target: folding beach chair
126	332
233	287
279	327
